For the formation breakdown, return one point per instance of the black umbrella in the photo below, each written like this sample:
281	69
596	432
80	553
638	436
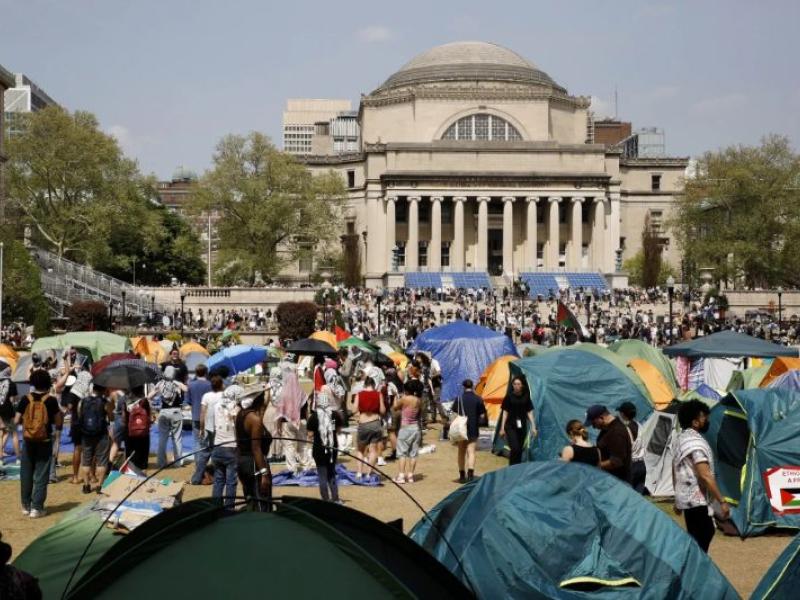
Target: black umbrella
125	377
311	347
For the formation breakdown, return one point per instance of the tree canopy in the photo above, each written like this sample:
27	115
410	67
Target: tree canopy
741	214
271	207
23	298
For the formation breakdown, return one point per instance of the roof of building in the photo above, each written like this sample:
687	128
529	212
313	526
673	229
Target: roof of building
6	78
468	61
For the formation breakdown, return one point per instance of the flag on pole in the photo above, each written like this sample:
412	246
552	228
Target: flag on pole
340	333
566	318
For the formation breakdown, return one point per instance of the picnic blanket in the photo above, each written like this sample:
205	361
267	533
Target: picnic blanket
309	478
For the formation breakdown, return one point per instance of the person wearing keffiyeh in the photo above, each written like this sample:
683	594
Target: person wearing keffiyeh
323	425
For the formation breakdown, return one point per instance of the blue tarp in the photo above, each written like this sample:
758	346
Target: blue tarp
463	350
565	530
310	479
782	580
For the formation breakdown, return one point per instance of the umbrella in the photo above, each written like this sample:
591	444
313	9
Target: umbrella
386	344
359	343
192	359
20	374
238	358
192	347
400	359
311	347
107	361
126	376
325	336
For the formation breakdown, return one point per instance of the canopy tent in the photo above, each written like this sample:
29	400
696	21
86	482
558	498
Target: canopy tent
779	366
565	530
753	434
189	347
563	385
728	344
661	393
782	580
325	336
630	349
352	555
149	349
747	379
493	386
463	350
97	343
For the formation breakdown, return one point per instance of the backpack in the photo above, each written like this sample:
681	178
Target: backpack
92	416
138	421
35	420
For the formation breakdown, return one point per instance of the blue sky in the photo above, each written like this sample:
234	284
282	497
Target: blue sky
170	77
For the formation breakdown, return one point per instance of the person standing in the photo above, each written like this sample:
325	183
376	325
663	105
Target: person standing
693	475
323	424
207	405
469	405
370	431
253	442
409	437
627	414
170	417
195	391
138	419
8	408
39	414
94	413
579	449
223	456
614	442
517	420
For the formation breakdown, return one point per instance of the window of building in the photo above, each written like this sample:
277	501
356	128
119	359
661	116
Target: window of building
655	182
562	214
351	227
447	213
422	255
401	254
445	254
482	127
401	211
424	212
306	258
351	179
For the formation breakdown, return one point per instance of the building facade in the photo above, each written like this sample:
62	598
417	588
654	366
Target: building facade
6	81
300	121
21	98
474	159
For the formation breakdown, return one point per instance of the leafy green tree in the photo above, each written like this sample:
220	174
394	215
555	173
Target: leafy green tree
271	207
88	315
23	298
741	214
634	267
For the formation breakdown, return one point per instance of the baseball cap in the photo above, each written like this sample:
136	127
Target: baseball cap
593	412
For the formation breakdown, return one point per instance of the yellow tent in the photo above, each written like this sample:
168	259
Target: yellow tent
399	359
325	336
9	355
493	385
193	347
654	381
149	349
779	366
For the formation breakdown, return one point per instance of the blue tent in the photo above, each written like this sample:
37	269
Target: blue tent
463	350
782	580
565	530
563	384
754	436
788	381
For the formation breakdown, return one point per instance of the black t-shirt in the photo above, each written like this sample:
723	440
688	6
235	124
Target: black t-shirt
51	404
587	456
8	391
614	443
517	408
471	405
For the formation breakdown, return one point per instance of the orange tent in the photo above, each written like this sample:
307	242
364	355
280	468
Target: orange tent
654	381
9	355
325	336
193	347
399	359
493	385
149	349
779	366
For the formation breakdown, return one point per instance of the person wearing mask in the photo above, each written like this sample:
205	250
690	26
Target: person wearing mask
614	442
693	475
323	426
138	419
39	414
516	421
195	390
409	436
94	413
170	417
370	430
223	456
579	449
627	414
471	406
207	405
253	442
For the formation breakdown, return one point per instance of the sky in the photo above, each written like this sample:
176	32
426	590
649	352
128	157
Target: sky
169	78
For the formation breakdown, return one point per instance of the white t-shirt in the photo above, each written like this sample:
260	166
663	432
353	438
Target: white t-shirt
209	400
225	412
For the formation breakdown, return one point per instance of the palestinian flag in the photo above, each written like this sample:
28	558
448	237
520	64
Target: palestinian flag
790	498
567	319
341	334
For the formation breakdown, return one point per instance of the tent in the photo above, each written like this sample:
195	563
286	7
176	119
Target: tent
9	355
463	350
493	385
782	580
565	530
149	349
98	343
631	349
747	379
190	347
703	393
779	366
661	392
753	434
725	344
350	553
789	381
563	385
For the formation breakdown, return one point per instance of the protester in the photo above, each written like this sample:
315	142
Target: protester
170	417
253	442
291	422
138	418
579	449
323	425
407	411
517	421
195	390
16	584
207	407
39	414
223	456
180	372
370	431
8	407
118	433
471	406
693	475
627	414
94	413
614	442
70	398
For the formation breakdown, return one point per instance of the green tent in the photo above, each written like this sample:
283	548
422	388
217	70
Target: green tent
305	548
747	379
754	436
98	343
782	580
565	530
630	349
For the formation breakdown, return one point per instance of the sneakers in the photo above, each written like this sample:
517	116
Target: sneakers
26	511
87	489
37	514
400	478
381	461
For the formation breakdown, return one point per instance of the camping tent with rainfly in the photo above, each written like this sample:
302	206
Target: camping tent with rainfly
629	350
729	344
782	580
565	530
753	434
779	366
97	343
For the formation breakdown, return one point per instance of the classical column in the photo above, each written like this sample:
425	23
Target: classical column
483	232
435	250
457	251
613	231
598	232
390	231
371	259
552	234
508	234
412	247
575	262
531	241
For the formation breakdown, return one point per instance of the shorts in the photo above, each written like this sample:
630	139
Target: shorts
76	435
8	424
370	433
118	434
95	447
408	441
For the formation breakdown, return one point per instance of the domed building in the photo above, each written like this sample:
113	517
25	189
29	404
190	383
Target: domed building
476	163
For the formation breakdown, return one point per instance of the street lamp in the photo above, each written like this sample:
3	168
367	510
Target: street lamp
325	309
587	301
183	299
123	306
111	315
670	292
780	307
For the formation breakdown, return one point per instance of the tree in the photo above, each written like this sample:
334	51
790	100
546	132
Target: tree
651	255
296	320
23	298
88	315
271	207
634	267
741	214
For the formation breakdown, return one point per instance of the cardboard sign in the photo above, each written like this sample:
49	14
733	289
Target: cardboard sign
783	489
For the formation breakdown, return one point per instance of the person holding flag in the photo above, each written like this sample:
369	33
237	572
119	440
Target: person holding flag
567	319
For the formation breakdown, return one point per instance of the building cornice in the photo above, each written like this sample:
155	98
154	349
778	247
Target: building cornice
331	159
486	91
482	179
466	146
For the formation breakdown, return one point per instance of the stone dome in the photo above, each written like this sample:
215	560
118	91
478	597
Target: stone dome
468	61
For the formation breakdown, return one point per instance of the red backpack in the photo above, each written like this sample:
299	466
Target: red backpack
138	420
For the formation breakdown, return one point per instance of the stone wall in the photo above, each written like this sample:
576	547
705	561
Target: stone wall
227	298
742	301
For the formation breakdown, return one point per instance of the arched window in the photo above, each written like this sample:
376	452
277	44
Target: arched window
482	127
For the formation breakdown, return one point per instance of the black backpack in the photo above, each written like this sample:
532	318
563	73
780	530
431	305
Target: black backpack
92	416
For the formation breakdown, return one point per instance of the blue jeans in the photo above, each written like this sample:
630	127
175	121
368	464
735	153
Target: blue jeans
170	426
34	472
225	462
202	457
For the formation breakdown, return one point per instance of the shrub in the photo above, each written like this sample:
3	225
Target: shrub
296	320
88	315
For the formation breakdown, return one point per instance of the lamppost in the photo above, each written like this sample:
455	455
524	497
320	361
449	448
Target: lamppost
183	299
124	293
111	315
153	306
587	302
324	309
780	308
670	292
